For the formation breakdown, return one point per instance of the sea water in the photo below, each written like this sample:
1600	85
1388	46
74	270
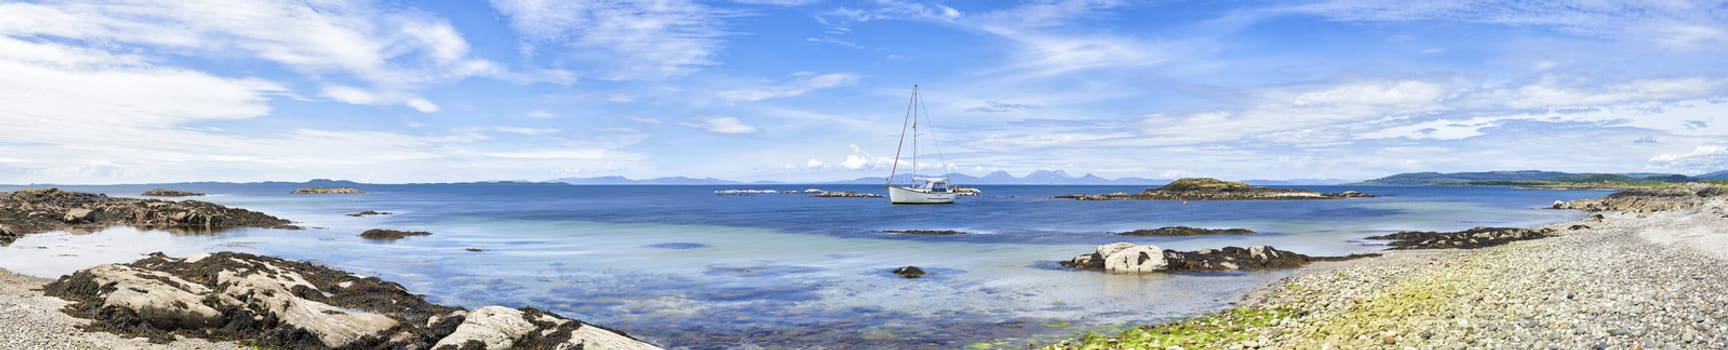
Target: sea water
683	267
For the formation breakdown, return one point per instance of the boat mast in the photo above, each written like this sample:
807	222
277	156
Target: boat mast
915	135
894	168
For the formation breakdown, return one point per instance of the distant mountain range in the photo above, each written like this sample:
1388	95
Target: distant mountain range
1518	176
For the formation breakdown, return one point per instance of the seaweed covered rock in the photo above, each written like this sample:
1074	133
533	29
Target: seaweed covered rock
927	232
276	303
1188	231
1129	258
1215	189
367	213
49	209
1476	237
390	235
908	271
1679	197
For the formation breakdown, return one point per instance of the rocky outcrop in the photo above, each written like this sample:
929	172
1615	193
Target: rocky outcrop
49	209
848	195
1127	258
368	213
1476	237
908	271
926	232
274	303
1188	189
326	190
1188	231
967	191
163	192
1649	199
391	235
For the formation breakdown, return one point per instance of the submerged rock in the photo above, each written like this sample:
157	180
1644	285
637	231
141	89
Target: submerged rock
848	195
270	302
163	192
926	232
1476	237
390	235
49	209
909	272
368	213
1213	189
1188	231
326	190
1128	258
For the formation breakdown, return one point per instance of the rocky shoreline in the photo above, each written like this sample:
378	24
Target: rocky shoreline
1208	189
1644	271
49	209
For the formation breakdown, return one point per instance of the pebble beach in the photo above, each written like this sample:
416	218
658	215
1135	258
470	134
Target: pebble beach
1623	279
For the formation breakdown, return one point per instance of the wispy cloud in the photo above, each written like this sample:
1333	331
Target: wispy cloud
1682	25
723	125
622	40
799	85
393	52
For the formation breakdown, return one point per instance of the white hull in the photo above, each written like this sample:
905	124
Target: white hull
902	195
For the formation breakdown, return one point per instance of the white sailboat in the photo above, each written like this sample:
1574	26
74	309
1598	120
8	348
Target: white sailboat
923	190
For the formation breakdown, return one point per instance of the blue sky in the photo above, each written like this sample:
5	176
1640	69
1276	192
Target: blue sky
809	90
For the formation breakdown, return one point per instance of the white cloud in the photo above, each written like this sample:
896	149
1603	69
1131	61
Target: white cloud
394	52
628	39
1702	159
723	125
804	83
814	164
525	131
777	2
540	114
422	105
1679	25
644	120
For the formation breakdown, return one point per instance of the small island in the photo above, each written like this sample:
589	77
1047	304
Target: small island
1187	231
1202	189
163	192
327	190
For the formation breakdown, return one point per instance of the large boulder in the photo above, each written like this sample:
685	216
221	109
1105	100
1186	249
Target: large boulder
275	303
1135	259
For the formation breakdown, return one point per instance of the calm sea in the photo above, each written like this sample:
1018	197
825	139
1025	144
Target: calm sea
682	267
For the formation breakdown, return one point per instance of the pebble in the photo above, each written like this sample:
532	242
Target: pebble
1606	287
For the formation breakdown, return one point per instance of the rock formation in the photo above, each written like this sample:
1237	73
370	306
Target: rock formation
1476	237
926	232
390	235
163	192
1127	258
368	213
1677	197
838	194
41	210
908	271
1188	231
1213	189
326	190
274	303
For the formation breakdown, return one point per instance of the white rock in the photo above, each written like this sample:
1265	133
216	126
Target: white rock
495	326
1135	259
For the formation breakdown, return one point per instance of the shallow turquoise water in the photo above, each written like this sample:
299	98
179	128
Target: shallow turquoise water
682	267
